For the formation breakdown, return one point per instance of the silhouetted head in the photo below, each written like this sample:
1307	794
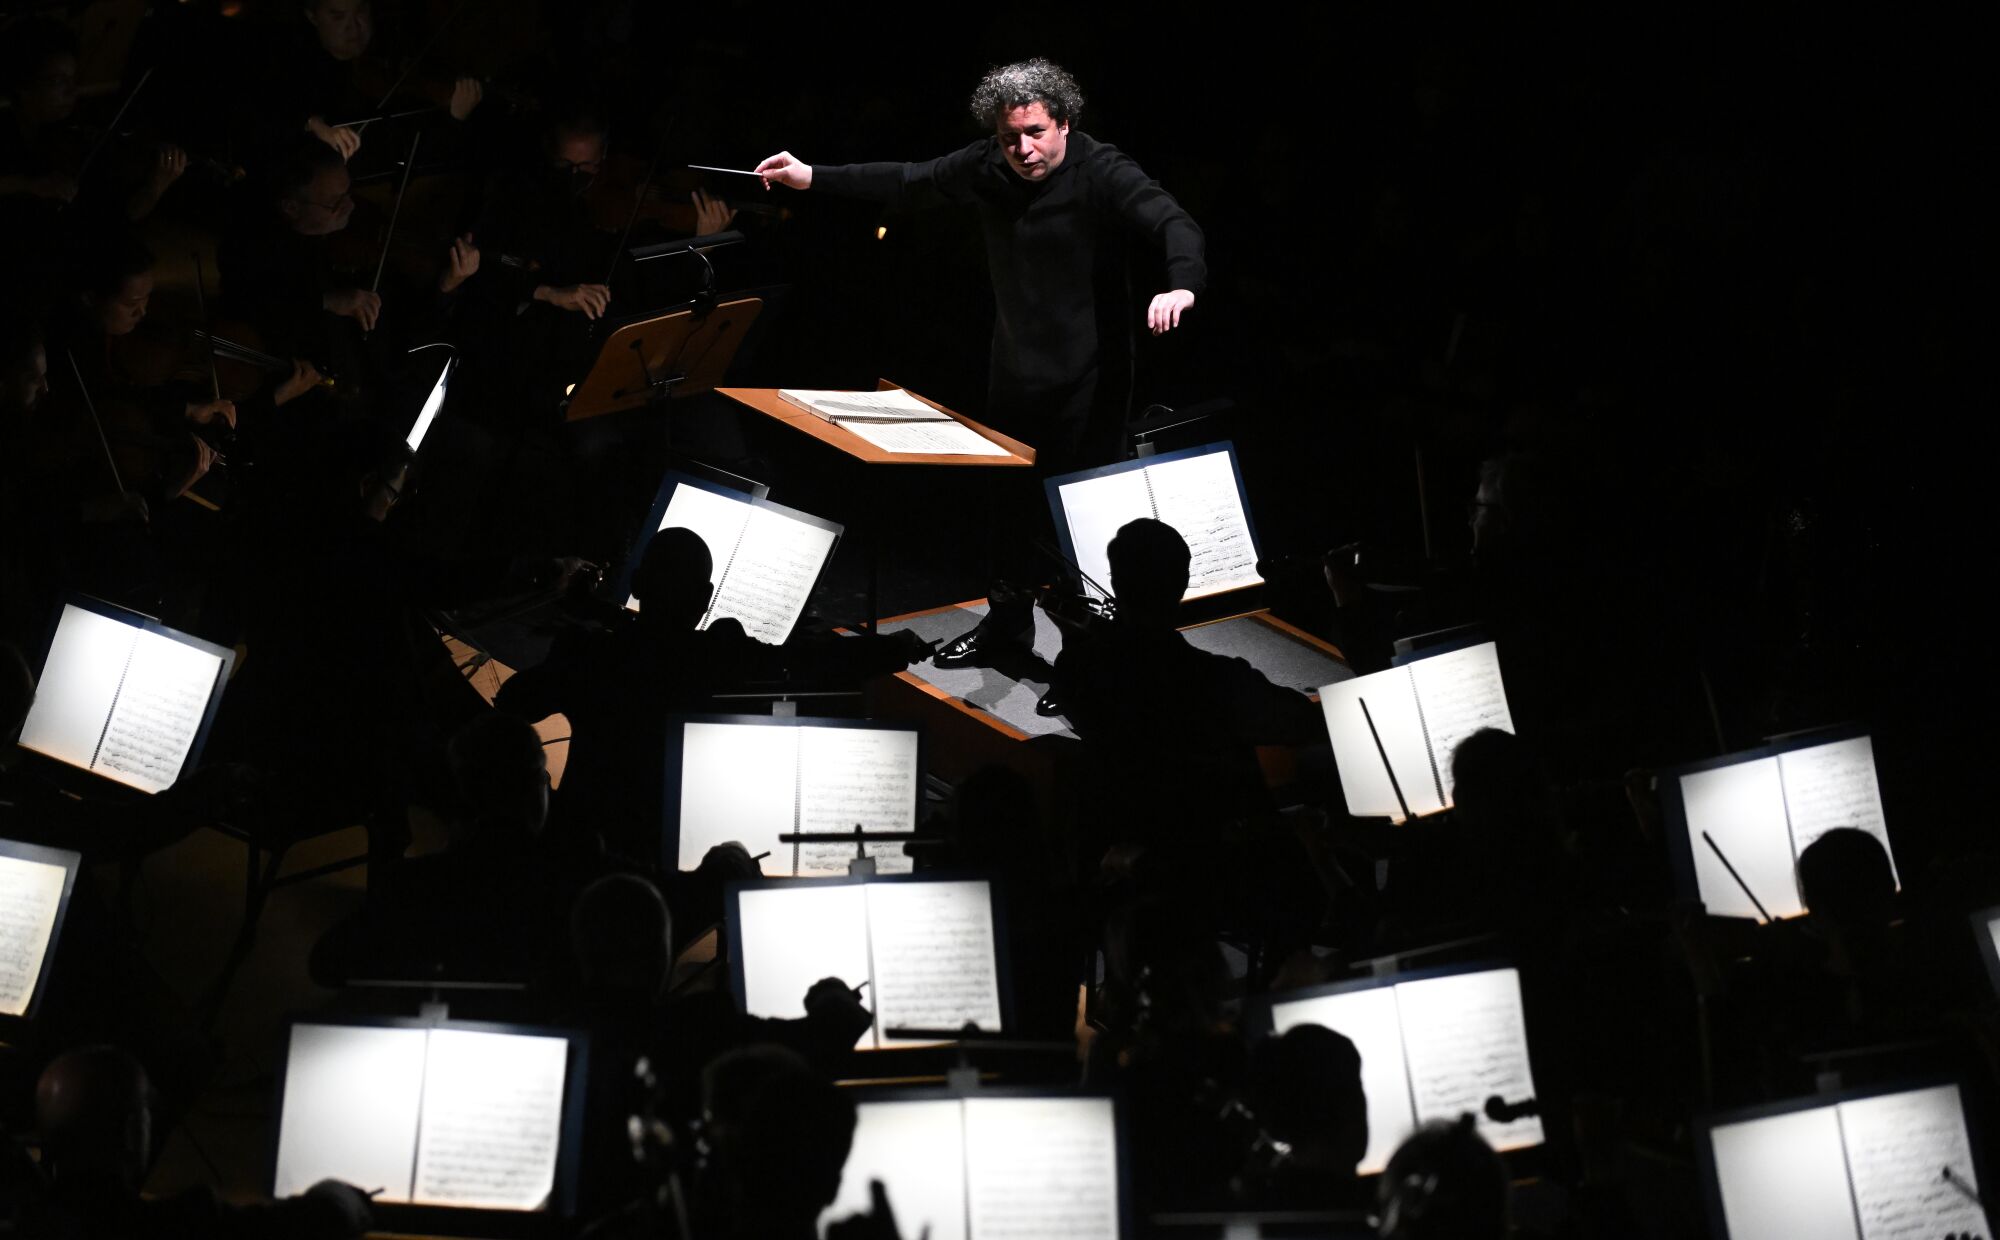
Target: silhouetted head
502	773
621	936
95	1117
17	691
1444	1183
343	27
1149	571
311	188
1305	1089
778	1137
114	282
1494	783
672	581
1847	881
24	367
1159	952
577	142
1509	511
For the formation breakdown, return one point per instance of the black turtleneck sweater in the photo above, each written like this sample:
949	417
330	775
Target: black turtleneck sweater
1044	243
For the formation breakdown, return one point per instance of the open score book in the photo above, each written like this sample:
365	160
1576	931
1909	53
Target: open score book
1422	710
766	557
35	885
752	778
124	696
433	1116
1432	1048
1198	491
894	421
926	947
982	1167
1764	809
1863	1168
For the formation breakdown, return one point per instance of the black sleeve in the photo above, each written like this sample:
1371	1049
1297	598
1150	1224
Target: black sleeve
1125	188
943	181
1262	713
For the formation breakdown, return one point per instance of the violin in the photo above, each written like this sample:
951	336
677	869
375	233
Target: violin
623	191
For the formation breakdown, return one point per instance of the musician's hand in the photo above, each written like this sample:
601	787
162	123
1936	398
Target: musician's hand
304	378
465	96
204	460
878	1224
711	214
1165	313
55	185
167	168
207	412
785	169
358	304
346	141
832	1006
569	570
589	300
460	266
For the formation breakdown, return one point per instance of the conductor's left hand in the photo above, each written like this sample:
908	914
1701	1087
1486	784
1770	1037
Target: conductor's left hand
1165	313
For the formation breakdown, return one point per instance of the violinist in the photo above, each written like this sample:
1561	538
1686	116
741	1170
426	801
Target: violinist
43	151
276	271
312	83
524	315
156	428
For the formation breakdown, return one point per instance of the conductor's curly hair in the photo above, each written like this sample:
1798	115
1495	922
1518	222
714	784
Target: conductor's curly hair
1007	87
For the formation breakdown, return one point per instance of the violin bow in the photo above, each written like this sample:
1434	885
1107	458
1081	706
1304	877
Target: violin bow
389	237
102	441
639	199
112	128
207	325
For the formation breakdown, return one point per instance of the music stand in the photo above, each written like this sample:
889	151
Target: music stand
683	352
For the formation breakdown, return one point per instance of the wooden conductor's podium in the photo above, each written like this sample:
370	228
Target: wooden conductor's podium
681	353
767	402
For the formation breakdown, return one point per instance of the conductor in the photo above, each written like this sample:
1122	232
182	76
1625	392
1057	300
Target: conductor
1049	197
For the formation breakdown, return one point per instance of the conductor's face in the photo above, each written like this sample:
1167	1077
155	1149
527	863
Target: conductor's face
1032	141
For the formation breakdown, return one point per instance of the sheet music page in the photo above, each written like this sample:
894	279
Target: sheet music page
1095	509
158	713
1462	694
30	894
917	1150
946	438
795	935
1743	807
349	1112
1784	1178
894	405
856	775
1198	496
1041	1168
739	781
718	519
1834	785
492	1120
771	576
1897	1148
78	683
1466	1038
1370	1020
934	957
1363	781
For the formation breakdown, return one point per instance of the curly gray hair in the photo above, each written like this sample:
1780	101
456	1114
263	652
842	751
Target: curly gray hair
1007	87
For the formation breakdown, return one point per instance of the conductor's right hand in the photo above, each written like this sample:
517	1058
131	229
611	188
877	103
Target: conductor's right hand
785	169
589	300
